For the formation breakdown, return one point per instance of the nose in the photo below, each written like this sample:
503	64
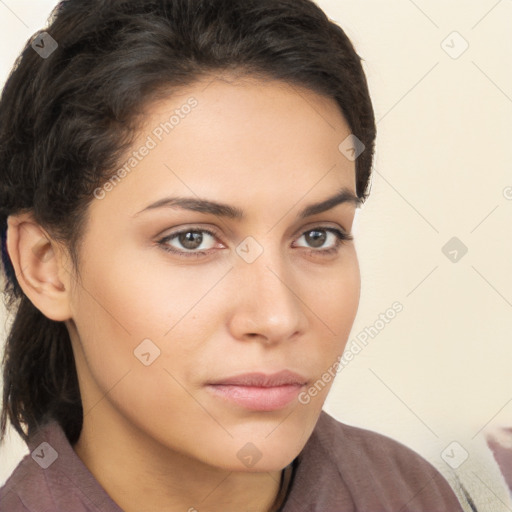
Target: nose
267	303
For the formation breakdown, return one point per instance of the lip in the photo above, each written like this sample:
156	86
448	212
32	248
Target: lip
263	380
259	391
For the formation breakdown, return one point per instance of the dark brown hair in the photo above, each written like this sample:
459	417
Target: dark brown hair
66	119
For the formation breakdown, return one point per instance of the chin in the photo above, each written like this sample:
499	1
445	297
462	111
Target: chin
267	450
261	463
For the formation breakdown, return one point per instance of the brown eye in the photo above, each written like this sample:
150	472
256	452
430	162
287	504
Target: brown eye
317	239
190	240
187	242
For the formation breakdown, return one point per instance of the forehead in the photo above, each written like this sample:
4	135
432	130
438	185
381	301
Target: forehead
229	139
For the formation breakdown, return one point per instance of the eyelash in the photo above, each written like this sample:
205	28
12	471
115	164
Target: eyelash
341	238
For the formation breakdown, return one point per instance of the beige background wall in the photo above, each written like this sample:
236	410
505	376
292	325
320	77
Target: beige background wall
438	372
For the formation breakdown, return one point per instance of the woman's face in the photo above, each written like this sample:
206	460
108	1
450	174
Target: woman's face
268	290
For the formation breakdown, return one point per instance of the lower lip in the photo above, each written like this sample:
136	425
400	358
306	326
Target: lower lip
258	398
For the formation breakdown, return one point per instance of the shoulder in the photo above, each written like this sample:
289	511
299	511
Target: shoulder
363	470
53	478
13	494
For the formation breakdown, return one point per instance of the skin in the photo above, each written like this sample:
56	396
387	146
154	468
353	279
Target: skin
154	436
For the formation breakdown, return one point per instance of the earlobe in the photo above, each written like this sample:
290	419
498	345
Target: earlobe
38	266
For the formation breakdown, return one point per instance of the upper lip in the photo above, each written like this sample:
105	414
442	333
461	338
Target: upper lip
260	379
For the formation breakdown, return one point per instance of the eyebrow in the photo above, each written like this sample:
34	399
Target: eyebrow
232	212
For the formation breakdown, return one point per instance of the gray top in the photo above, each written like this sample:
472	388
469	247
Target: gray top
341	469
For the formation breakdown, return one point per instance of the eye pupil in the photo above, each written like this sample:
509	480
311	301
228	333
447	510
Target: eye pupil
318	240
184	239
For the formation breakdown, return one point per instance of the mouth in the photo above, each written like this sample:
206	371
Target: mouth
259	391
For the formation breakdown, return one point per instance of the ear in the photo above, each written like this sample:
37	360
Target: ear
40	266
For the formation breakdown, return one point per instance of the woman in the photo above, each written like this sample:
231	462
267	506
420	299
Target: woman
179	184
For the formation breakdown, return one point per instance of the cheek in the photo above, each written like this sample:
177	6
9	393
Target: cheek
337	296
128	314
115	309
133	297
124	360
335	305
